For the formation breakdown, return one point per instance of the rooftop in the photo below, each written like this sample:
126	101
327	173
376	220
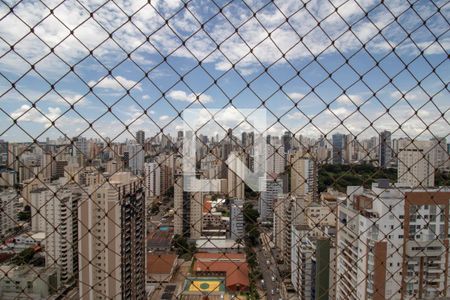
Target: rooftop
160	263
13	271
159	239
235	267
217	244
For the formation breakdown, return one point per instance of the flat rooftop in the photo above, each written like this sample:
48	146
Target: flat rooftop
159	239
215	244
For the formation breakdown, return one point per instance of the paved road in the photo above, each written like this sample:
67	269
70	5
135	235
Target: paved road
267	263
269	272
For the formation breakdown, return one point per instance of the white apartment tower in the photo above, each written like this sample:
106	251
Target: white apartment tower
274	188
54	212
303	175
236	186
9	199
275	158
415	163
134	156
210	166
188	210
439	155
111	244
393	244
152	181
283	217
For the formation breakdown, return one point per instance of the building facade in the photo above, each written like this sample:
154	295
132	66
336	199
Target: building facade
111	248
385	149
54	212
187	210
393	244
415	164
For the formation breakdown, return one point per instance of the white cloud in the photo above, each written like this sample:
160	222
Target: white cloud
89	35
76	99
254	33
28	114
178	95
295	115
164	118
348	99
341	112
410	96
116	83
296	96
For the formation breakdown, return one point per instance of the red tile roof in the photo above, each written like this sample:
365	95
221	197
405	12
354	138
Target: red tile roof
207	207
233	264
160	263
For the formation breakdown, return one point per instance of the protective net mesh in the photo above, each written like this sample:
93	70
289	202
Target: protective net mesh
213	149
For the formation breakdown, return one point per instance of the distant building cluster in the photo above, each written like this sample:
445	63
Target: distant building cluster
100	219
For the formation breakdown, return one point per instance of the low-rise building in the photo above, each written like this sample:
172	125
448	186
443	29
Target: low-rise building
160	267
27	282
232	266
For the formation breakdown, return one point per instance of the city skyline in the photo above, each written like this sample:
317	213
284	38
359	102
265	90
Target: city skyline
224	150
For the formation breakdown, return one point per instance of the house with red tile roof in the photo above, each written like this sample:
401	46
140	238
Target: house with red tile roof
160	267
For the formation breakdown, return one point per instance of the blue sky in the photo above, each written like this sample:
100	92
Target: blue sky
284	37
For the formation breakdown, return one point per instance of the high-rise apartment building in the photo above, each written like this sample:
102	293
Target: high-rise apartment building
303	175
80	147
349	148
283	217
236	186
152	181
338	141
166	163
274	188
9	199
140	137
111	248
391	244
134	155
415	164
438	153
54	212
275	158
4	154
188	208
244	139
286	140
210	166
312	269
237	219
385	149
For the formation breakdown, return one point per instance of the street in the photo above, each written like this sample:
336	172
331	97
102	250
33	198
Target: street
269	270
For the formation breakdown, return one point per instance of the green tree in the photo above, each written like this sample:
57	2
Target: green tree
23	257
154	209
169	192
24	216
183	247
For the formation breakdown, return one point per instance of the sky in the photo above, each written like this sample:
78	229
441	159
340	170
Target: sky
109	68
